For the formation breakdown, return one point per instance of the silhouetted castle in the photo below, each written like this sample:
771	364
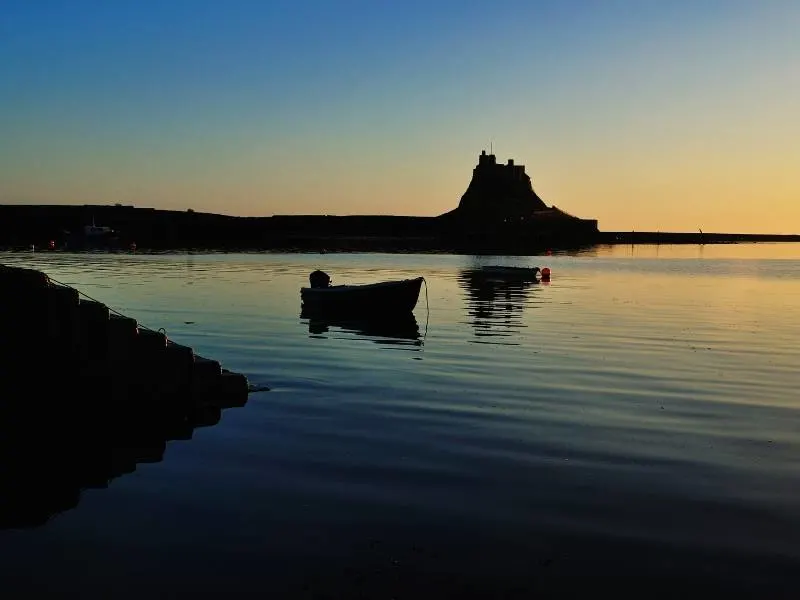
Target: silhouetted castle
499	191
499	212
503	194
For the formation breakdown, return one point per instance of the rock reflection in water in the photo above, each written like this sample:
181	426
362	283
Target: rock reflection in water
496	301
400	329
55	443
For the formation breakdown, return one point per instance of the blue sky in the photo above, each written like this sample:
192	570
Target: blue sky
643	114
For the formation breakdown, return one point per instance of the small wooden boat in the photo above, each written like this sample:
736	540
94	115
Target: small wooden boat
387	297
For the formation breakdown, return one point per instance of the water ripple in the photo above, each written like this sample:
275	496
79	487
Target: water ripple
634	415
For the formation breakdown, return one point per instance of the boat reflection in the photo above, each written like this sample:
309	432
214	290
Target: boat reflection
496	301
52	450
402	329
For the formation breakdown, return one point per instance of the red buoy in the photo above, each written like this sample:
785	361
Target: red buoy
546	274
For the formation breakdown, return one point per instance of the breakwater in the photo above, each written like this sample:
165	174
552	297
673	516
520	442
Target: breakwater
87	394
666	237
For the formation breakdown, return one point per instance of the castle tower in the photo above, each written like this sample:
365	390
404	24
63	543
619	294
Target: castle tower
499	191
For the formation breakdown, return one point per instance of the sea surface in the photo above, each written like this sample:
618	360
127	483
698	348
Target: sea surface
635	422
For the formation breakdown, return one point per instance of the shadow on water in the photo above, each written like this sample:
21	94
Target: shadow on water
402	330
496	301
57	442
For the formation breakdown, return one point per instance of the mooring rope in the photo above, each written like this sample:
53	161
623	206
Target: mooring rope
111	309
251	388
427	310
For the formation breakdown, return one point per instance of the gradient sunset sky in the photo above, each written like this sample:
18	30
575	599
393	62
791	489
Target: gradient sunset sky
647	115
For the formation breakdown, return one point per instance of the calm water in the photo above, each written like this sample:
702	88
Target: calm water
638	416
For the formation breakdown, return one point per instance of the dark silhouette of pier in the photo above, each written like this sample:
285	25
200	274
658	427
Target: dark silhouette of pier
88	394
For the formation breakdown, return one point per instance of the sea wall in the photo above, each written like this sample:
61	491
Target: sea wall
667	237
87	394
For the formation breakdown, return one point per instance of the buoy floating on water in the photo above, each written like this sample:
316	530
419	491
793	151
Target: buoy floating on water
546	274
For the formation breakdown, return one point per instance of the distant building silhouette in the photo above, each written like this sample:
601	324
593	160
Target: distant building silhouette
498	213
498	191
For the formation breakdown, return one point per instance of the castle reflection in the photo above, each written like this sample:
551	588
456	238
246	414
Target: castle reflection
56	443
496	301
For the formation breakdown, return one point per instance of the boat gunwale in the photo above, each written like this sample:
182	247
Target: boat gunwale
365	286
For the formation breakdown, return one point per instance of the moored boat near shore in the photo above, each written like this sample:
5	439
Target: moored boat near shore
382	298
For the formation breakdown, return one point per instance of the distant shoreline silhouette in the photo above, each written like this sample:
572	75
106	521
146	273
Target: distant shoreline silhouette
499	213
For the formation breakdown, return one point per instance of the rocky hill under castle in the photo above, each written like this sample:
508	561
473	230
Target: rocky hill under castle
502	194
498	191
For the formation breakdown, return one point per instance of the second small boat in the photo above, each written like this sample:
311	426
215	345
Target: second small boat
519	273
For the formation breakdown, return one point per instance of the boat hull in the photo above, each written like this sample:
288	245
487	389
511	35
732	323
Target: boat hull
388	297
520	273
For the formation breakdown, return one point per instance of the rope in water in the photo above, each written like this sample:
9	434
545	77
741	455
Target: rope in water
427	309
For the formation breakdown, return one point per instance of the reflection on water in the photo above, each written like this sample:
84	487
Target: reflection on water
51	451
397	330
649	429
496	302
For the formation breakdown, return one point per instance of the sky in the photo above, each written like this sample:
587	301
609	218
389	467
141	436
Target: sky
670	115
